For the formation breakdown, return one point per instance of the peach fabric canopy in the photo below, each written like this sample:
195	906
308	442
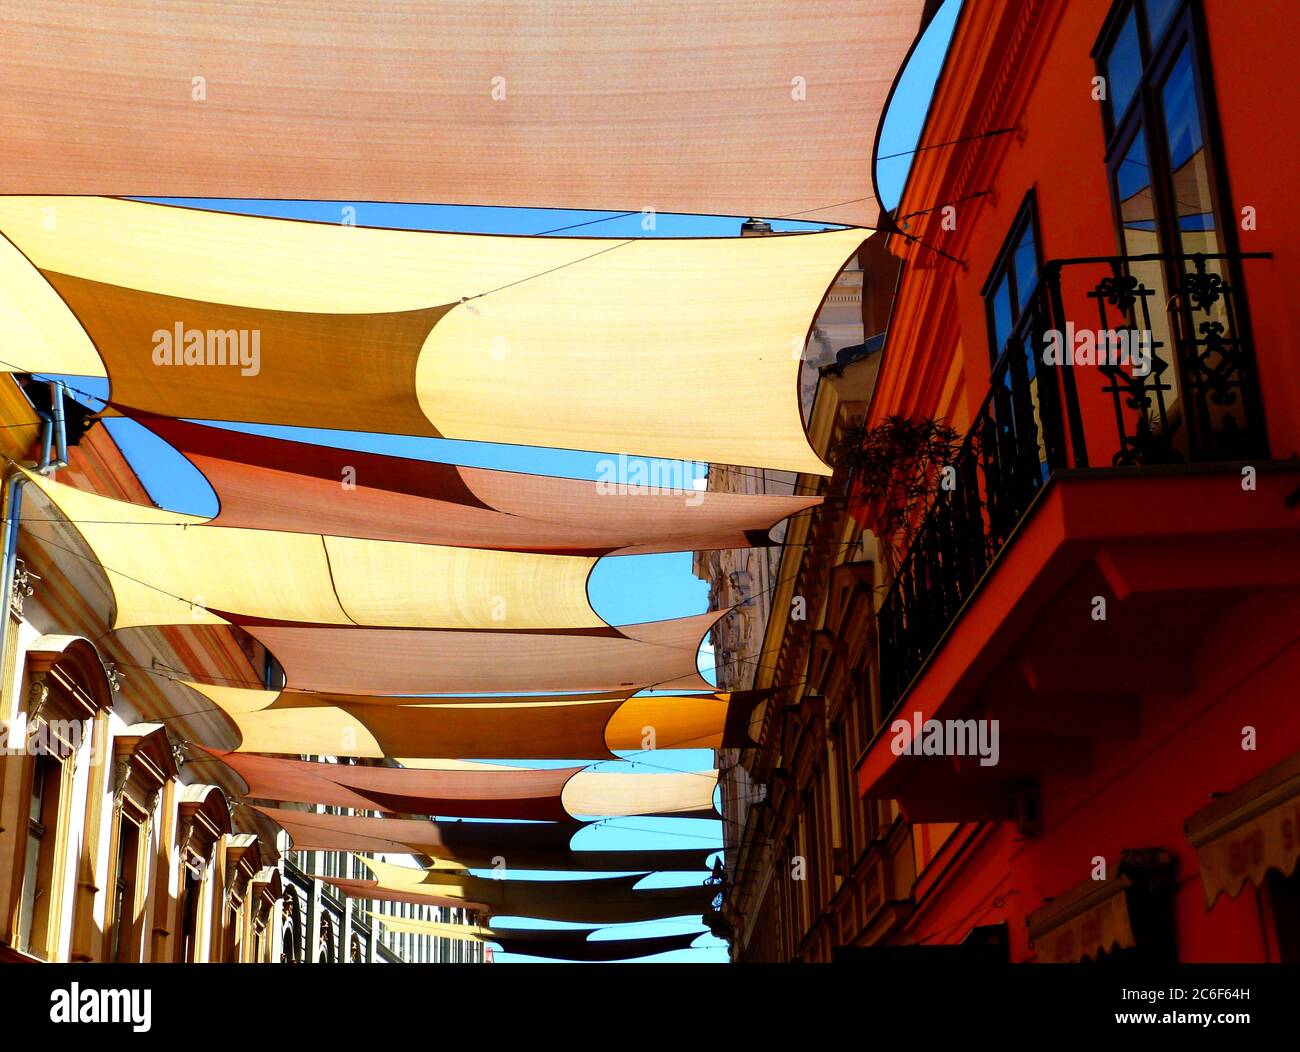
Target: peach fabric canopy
768	107
169	568
527	727
515	340
521	793
275	484
555	794
477	845
357	660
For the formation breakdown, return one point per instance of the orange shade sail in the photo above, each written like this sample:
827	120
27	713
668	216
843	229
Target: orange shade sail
764	108
478	845
358	660
521	793
275	484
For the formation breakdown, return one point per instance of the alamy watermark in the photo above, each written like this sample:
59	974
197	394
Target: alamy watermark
181	345
922	737
1128	347
626	475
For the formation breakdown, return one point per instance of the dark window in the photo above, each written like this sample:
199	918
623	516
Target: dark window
1014	279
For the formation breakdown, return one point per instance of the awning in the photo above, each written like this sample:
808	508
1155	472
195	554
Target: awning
764	108
1246	834
169	568
516	340
526	727
354	660
274	484
477	845
1086	921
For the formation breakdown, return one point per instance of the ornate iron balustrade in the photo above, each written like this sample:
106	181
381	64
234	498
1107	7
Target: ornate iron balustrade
1197	399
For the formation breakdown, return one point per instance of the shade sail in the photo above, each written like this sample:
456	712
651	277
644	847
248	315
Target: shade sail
764	108
603	900
479	845
571	944
275	484
688	794
596	949
369	889
168	568
529	727
521	793
569	343
488	792
357	660
436	929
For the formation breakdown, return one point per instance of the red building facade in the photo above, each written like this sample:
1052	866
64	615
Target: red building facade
1095	294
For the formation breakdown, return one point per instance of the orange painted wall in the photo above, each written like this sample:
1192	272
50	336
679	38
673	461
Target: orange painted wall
1139	792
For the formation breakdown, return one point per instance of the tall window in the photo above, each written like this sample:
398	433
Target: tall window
124	939
38	865
1013	280
1162	163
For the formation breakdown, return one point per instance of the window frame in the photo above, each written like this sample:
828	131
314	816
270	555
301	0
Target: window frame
1026	216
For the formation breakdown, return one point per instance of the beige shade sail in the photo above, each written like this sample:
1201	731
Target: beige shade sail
764	108
356	660
601	900
527	727
568	343
435	929
688	794
168	568
478	845
276	484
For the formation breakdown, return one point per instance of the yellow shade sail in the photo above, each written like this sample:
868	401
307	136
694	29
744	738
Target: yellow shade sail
168	568
569	343
435	929
769	107
568	726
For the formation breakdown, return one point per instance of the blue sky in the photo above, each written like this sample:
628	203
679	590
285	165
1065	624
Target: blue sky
622	590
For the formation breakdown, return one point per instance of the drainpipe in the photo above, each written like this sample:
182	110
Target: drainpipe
54	442
13	504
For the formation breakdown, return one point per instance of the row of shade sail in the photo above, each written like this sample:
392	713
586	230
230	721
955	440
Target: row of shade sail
425	611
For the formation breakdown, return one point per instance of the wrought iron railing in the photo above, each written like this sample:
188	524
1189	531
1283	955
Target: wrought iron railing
1197	399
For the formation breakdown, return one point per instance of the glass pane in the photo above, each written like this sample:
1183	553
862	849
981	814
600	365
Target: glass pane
1136	208
1132	179
1026	264
1193	197
1124	66
1158	14
1001	316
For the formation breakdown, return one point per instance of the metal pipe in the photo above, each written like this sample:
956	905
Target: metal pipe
47	442
13	506
60	423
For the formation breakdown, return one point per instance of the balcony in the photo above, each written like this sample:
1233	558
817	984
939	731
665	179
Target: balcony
1054	500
